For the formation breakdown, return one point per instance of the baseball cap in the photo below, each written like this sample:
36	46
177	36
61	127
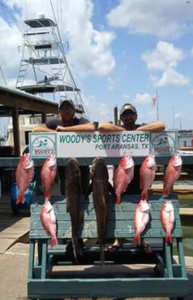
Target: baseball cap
127	106
66	101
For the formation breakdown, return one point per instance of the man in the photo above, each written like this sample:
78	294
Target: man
67	122
128	116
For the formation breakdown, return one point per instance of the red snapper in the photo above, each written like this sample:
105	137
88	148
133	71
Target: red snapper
24	175
172	173
123	175
48	220
167	219
48	174
147	175
141	219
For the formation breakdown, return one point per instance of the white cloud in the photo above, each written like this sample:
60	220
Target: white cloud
165	55
143	98
89	50
171	77
100	112
164	19
178	115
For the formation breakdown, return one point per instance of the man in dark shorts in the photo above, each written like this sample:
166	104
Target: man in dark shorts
68	122
128	117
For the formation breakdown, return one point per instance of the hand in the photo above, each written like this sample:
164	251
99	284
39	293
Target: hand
60	128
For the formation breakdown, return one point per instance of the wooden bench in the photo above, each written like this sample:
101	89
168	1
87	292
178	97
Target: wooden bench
128	272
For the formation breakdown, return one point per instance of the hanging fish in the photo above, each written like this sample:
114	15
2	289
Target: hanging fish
24	175
48	174
172	173
147	175
100	187
123	175
48	220
141	219
167	219
73	197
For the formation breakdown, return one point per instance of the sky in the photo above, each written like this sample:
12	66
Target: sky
120	51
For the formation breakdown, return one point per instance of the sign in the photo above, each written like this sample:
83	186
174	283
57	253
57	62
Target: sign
164	143
42	144
114	144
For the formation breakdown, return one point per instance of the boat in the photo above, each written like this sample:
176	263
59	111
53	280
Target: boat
44	71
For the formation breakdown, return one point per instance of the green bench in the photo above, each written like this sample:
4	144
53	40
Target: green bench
52	273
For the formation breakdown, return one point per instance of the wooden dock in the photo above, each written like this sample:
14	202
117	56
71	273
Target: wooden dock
12	228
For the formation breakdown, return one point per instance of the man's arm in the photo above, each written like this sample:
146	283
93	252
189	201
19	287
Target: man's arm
77	128
154	126
108	127
42	128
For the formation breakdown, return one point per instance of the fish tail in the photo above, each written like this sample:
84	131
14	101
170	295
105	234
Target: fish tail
118	200
144	195
20	199
47	194
54	241
76	248
168	238
137	238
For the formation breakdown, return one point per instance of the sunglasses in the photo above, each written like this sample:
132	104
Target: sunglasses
128	113
66	108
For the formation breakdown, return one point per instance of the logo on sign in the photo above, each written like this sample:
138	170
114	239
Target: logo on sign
43	145
164	144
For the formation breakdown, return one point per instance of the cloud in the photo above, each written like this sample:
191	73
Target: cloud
165	55
164	19
89	49
143	98
171	77
100	112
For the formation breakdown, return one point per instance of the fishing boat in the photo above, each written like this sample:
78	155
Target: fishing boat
44	71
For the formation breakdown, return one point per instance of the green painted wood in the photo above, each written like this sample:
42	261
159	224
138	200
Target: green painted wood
107	287
119	224
180	248
168	259
44	259
31	259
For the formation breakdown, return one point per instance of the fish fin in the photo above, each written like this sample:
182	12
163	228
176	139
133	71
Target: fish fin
54	241
76	248
20	199
118	200
168	238
137	238
111	189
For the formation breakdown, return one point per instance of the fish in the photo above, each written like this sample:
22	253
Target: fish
167	219
48	220
73	198
123	175
172	173
100	188
24	175
147	175
141	219
48	174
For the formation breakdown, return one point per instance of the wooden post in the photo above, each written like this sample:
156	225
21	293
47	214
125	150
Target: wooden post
16	135
115	115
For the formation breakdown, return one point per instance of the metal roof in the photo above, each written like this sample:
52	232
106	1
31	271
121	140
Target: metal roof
11	97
